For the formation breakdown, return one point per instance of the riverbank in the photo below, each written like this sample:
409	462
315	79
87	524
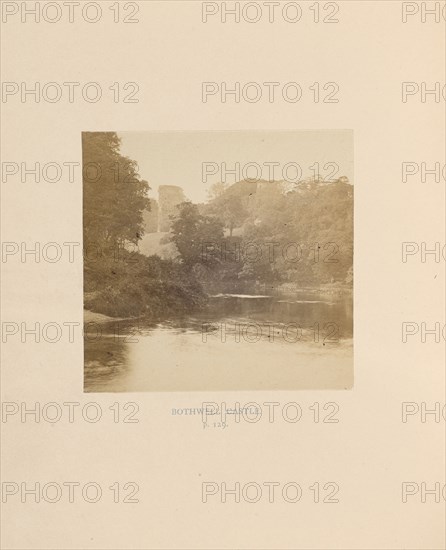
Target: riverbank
92	317
285	289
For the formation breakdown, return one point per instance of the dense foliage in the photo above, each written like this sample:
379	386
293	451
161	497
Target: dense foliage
134	285
117	281
301	234
114	194
250	233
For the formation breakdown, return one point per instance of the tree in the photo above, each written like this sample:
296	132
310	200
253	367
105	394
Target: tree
227	206
193	233
216	190
115	196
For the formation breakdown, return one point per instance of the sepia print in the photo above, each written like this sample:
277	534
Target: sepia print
218	260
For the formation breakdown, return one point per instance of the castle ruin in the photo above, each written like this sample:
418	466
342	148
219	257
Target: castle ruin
169	196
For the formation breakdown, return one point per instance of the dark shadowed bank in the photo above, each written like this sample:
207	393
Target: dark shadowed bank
252	237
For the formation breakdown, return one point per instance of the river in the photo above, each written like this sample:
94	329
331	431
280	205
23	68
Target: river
238	342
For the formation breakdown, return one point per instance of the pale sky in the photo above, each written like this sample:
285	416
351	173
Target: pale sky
188	159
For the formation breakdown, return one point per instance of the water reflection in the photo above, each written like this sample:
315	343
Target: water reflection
301	341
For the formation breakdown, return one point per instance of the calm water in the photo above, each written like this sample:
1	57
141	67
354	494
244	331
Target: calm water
242	342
